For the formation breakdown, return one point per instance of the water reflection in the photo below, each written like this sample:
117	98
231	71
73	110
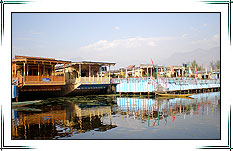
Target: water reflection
60	122
68	120
149	109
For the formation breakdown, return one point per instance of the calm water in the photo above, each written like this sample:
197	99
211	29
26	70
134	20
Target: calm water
111	117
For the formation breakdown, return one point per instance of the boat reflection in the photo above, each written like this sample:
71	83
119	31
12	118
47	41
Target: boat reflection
59	122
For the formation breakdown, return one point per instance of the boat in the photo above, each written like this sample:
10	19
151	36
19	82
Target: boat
173	95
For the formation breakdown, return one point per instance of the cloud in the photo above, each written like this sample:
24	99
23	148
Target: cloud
216	37
35	33
205	25
117	28
184	35
134	50
135	42
209	42
138	50
100	45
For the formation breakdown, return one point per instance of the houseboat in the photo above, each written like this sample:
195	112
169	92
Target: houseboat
87	77
36	76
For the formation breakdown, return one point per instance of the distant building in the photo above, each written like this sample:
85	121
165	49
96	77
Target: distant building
176	71
130	71
143	70
150	70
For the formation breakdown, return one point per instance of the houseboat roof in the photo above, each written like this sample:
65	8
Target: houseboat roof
130	67
149	65
93	63
38	59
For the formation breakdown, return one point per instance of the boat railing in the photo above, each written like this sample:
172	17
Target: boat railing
44	80
93	80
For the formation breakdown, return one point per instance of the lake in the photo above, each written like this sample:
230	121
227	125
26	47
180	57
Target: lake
119	117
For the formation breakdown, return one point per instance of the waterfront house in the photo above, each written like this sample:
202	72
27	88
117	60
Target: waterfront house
143	70
130	71
177	71
150	70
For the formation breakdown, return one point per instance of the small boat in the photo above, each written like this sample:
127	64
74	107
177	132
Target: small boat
20	104
173	95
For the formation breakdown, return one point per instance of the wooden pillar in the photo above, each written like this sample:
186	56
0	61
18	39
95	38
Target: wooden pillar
43	70
12	70
15	70
64	78
109	73
139	74
80	70
38	72
151	71
24	70
53	70
89	73
27	69
101	73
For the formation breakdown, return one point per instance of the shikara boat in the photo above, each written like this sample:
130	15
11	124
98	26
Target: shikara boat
173	95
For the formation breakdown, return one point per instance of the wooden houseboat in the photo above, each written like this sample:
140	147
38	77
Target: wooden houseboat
86	76
36	76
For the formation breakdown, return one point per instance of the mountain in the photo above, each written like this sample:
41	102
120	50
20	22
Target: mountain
202	57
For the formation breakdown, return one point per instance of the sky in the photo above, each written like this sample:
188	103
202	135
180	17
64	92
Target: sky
123	38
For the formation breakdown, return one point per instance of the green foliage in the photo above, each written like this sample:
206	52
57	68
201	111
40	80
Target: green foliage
194	64
144	75
192	76
212	64
121	76
154	74
215	64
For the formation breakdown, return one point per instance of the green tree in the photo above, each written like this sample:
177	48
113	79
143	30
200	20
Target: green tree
217	64
212	64
194	64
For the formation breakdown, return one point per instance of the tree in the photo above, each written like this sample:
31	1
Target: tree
217	64
194	64
212	64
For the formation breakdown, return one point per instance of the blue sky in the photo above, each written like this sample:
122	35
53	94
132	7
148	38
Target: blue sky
124	38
